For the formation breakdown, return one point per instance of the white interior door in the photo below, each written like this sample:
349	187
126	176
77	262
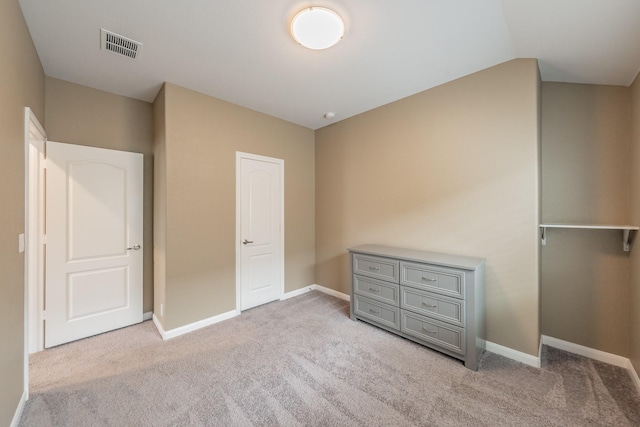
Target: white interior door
93	241
261	219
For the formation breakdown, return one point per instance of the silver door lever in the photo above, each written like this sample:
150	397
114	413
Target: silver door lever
134	248
246	242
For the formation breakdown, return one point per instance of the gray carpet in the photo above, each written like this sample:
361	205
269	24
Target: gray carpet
304	362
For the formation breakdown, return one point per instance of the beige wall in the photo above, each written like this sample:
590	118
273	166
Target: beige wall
585	180
453	169
80	115
202	137
634	321
22	86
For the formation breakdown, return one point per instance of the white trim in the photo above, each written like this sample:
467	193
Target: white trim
166	335
239	156
34	234
591	353
296	293
512	354
18	414
238	247
330	292
158	325
540	348
172	333
31	220
634	375
318	288
147	315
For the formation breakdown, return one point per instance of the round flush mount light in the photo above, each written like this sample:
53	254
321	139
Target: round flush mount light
317	28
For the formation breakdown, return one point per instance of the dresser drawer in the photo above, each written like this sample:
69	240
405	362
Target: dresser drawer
444	335
434	279
377	267
377	311
376	289
433	305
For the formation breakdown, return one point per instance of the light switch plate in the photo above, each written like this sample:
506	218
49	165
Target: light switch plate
20	243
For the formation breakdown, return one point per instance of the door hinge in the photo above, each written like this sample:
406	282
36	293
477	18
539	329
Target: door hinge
44	239
44	314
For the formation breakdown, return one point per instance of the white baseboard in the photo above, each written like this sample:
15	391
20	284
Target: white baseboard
331	292
581	350
18	414
592	353
296	293
172	333
634	375
512	354
166	335
147	315
318	288
158	325
540	348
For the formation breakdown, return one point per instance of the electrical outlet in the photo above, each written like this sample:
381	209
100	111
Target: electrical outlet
161	309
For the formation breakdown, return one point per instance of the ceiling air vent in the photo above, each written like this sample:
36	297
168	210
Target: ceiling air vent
118	44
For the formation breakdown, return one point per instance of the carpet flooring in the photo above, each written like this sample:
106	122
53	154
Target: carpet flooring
303	362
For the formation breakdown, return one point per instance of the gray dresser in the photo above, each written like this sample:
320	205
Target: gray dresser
434	299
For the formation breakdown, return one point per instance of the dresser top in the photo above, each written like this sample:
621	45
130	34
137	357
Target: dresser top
454	261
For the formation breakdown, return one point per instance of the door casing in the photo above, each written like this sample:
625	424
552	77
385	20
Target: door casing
34	140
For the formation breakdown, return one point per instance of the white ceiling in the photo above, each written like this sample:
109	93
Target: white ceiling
241	51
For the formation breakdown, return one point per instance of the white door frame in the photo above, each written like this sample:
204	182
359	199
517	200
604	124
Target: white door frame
239	156
34	146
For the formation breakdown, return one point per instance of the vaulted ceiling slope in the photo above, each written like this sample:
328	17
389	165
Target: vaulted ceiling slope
241	50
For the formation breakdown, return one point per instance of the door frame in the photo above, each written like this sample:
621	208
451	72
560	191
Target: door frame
34	150
35	138
280	162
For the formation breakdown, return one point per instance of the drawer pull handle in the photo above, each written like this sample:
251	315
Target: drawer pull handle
429	279
428	331
371	310
371	267
429	305
374	289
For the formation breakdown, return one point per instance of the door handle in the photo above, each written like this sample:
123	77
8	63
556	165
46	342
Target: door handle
134	248
246	242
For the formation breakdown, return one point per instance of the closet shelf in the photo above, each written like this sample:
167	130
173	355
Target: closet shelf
627	231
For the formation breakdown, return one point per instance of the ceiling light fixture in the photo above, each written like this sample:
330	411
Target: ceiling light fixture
317	28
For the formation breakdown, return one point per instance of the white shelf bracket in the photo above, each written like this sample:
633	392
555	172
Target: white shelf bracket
626	239
543	236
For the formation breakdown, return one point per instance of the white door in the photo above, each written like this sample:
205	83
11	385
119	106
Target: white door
260	233
93	241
